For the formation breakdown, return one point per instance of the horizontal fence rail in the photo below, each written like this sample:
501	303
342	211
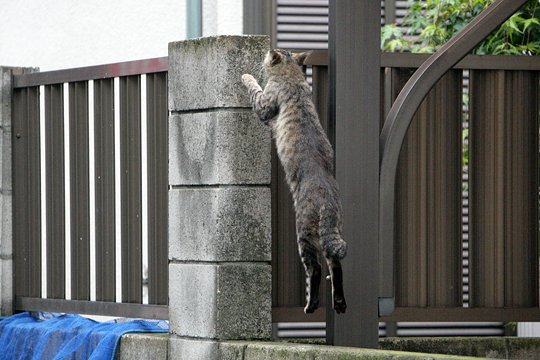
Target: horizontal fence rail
432	269
97	72
90	190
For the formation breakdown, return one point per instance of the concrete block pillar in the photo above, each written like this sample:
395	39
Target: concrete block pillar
6	188
219	198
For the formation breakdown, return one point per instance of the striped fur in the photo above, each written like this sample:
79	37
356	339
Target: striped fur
306	155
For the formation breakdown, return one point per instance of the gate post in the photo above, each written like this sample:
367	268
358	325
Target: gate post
6	188
219	198
354	74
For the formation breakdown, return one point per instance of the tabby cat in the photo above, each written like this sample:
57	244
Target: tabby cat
307	158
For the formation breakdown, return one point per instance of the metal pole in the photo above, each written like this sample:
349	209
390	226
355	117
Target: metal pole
354	106
389	11
260	18
194	19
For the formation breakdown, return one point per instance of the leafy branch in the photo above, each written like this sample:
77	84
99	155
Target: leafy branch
429	24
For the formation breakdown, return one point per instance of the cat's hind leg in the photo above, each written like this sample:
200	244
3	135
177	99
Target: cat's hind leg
334	249
308	248
336	277
332	243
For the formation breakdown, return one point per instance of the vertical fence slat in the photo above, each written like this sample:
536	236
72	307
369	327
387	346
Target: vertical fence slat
157	160
104	189
80	198
55	190
444	181
27	192
428	199
130	155
320	99
389	11
285	260
504	188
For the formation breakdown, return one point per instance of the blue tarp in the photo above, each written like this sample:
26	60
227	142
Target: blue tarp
40	336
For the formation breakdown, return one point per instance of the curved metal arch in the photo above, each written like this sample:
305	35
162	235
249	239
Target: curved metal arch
400	117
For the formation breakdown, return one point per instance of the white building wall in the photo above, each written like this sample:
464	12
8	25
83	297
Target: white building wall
58	34
528	329
222	17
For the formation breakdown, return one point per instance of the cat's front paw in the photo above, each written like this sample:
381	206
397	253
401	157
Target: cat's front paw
247	79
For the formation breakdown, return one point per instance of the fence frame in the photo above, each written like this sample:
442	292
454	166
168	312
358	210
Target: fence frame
27	207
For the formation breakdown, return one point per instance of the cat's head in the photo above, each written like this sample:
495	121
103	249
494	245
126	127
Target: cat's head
283	61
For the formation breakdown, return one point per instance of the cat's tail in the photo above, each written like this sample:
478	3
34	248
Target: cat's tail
333	245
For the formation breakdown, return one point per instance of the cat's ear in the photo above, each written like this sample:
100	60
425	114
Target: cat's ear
301	57
276	57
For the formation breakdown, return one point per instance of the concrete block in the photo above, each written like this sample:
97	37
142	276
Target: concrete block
192	300
245	307
6	224
232	350
225	301
288	351
5	95
6	253
192	349
143	346
220	147
6	287
220	224
5	159
522	348
206	72
470	346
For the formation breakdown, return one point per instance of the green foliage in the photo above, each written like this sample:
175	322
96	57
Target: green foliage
465	131
436	21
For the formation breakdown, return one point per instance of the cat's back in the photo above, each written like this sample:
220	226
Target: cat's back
300	139
297	115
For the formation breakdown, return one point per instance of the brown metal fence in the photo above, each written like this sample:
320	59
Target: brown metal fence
503	150
503	173
43	93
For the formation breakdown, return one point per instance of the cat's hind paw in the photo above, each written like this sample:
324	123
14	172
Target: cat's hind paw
340	306
311	307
